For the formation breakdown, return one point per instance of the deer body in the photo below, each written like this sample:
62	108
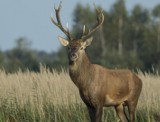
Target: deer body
99	86
103	86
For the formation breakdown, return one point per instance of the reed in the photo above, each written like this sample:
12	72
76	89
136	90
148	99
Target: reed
50	96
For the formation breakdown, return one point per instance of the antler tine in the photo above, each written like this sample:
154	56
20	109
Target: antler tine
58	23
57	10
100	20
67	28
84	29
83	32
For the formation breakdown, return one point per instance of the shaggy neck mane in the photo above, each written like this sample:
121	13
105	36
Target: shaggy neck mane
80	70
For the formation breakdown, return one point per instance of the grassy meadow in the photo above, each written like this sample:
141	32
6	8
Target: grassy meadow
52	97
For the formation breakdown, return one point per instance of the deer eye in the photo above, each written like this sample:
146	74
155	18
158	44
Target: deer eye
69	49
81	48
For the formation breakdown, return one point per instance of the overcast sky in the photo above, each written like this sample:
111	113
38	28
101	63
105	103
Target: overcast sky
31	19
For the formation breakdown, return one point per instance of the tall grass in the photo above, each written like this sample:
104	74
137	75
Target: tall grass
52	97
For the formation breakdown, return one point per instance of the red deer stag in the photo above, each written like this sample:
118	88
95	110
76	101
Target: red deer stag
99	86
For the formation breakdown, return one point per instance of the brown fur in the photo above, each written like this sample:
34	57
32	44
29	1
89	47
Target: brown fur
100	87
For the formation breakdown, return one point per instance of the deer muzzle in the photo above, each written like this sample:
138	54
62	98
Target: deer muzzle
73	57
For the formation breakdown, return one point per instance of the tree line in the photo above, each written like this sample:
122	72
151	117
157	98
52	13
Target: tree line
127	39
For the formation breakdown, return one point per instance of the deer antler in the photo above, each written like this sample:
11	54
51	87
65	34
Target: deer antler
100	20
58	23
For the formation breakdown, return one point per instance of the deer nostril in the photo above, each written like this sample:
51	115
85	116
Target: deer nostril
74	56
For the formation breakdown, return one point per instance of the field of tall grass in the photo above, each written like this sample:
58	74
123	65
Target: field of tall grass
50	96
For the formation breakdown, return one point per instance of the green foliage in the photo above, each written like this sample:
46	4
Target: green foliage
1	58
21	57
156	11
71	113
128	39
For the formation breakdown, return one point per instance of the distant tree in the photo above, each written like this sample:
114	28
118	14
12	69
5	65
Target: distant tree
156	15
137	27
119	14
61	58
21	57
23	44
144	37
1	59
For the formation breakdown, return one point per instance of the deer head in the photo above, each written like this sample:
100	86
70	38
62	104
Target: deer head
76	47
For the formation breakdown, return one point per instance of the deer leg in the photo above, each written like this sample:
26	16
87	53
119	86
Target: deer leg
95	113
120	113
131	108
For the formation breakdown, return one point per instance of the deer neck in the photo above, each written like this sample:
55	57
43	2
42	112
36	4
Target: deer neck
80	70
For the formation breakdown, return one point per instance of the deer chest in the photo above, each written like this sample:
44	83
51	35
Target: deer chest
90	97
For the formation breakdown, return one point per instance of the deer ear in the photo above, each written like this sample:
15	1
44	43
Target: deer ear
88	41
63	41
